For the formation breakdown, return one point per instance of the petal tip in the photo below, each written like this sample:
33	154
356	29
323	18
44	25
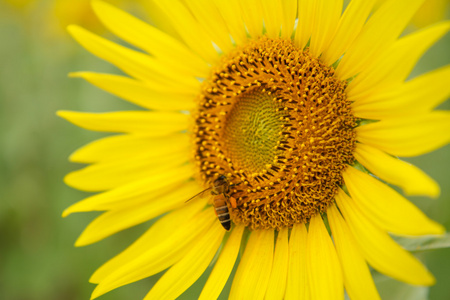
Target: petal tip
66	212
429	280
75	74
68	180
82	241
440	229
63	114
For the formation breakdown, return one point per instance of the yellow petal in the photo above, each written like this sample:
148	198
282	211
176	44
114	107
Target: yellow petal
253	273
385	207
348	28
278	277
253	17
133	193
209	17
150	39
306	19
288	19
396	63
380	31
378	248
138	92
323	267
158	19
134	63
162	230
297	287
272	14
111	174
358	281
231	12
159	257
431	11
189	29
224	265
395	171
149	122
185	272
328	13
408	98
114	221
408	136
118	146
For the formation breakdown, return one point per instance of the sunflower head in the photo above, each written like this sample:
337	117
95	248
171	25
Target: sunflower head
277	122
286	119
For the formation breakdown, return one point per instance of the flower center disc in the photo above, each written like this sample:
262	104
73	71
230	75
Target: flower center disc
277	123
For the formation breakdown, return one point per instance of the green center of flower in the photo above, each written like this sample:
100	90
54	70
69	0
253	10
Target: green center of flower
276	122
252	135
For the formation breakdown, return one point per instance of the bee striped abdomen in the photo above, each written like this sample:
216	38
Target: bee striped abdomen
223	215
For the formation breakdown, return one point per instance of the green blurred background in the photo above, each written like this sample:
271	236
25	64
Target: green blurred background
37	256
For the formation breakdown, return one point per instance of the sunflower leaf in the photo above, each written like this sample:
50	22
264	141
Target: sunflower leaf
391	289
423	243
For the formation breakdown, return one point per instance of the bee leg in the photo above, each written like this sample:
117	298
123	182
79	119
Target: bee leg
233	202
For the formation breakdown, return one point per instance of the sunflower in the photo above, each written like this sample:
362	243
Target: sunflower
291	115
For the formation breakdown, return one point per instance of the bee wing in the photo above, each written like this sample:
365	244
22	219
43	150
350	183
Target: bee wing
198	195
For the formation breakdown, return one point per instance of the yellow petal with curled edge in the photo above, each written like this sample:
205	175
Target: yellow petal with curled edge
154	41
411	179
358	281
162	230
185	272
408	98
297	282
252	276
224	265
380	31
385	207
323	267
394	66
408	136
149	122
159	257
278	277
378	248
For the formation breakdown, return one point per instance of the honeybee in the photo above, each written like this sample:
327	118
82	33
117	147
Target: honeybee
221	188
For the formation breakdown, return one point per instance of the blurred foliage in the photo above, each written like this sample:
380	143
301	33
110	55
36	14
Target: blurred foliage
37	257
424	243
394	290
